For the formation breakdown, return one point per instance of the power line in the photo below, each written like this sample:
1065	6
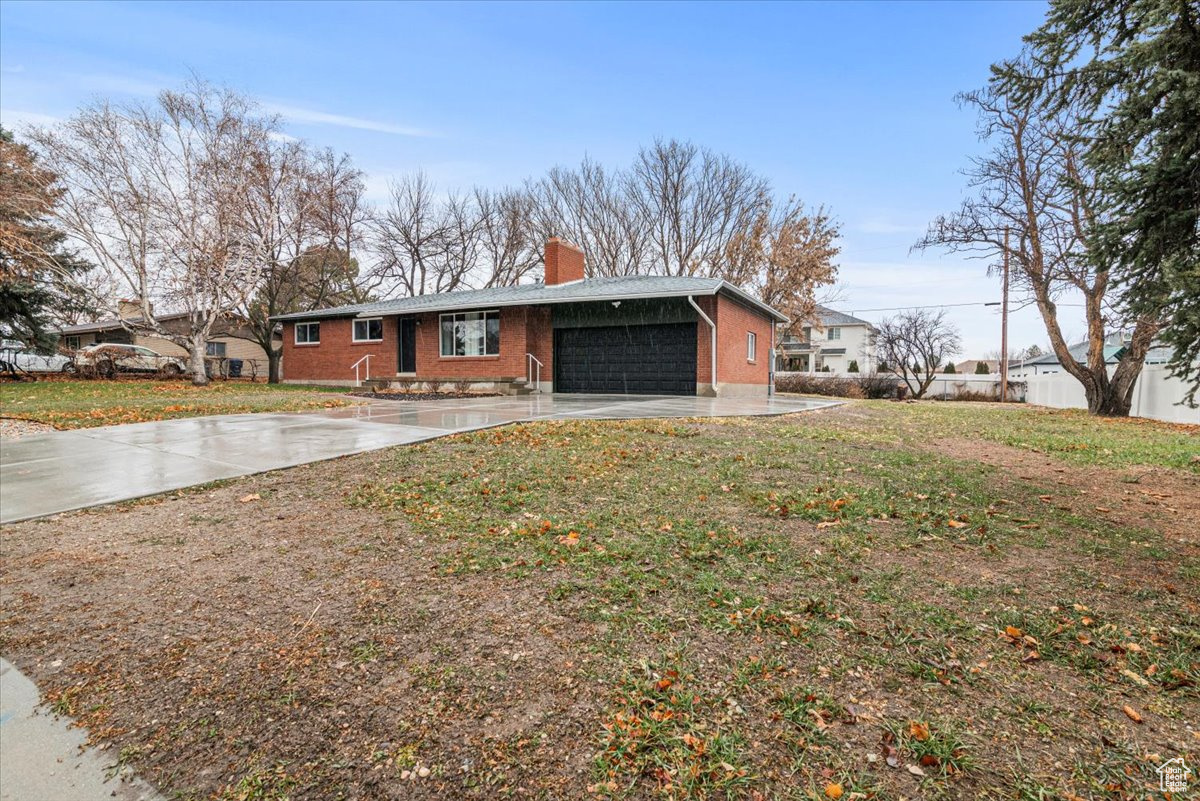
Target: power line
950	306
933	306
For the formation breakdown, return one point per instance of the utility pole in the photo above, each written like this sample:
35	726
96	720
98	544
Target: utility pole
1004	327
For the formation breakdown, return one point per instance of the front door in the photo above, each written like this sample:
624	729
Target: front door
408	345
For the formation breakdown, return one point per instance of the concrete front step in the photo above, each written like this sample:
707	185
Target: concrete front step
508	386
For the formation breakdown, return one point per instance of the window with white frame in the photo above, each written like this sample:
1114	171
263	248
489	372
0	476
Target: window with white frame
751	342
370	330
308	333
71	343
835	333
214	349
471	334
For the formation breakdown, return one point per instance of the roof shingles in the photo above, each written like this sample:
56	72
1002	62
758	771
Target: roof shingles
591	289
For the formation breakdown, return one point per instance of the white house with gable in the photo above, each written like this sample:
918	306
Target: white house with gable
833	343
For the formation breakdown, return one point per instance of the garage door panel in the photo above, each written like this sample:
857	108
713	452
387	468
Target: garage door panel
635	359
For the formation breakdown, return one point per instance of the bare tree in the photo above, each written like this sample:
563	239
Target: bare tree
300	214
342	221
694	203
914	343
1034	187
590	206
785	256
156	193
507	244
422	242
679	210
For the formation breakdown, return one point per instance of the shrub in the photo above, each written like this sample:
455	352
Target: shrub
433	385
462	387
950	369
875	386
808	384
981	368
853	368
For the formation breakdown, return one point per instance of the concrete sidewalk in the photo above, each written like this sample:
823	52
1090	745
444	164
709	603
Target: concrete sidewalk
42	759
43	474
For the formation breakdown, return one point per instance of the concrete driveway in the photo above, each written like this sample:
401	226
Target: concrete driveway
44	474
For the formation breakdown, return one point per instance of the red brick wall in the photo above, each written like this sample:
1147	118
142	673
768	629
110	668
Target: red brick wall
704	341
734	321
564	262
522	330
539	338
509	364
331	360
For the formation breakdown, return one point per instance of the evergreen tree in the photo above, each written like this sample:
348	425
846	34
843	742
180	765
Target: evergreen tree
1133	66
950	369
34	265
982	368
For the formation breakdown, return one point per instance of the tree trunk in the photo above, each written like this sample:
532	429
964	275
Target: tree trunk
196	354
1113	397
1111	402
274	363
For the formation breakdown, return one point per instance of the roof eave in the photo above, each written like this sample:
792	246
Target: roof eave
495	304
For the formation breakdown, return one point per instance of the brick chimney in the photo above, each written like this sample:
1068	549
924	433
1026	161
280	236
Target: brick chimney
128	309
564	262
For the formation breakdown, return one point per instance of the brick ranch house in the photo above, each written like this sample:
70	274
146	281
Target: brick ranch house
655	335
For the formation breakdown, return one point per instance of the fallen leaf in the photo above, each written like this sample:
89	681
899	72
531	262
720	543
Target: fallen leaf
254	496
833	790
1013	631
918	731
1138	680
955	524
914	770
1131	713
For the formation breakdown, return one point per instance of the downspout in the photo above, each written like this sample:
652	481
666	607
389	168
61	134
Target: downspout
713	348
771	371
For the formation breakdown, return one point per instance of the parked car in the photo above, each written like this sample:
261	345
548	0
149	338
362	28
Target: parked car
109	358
16	356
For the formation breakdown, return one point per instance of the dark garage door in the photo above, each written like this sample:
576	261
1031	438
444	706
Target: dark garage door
626	359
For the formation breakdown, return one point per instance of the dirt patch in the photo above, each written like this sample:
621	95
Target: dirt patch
686	609
1135	497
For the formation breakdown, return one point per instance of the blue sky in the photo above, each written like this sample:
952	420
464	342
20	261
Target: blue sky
844	104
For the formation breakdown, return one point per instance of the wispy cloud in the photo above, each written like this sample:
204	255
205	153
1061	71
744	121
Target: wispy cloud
884	225
314	117
122	84
14	118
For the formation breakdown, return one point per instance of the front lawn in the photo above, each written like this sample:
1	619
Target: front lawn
68	403
877	600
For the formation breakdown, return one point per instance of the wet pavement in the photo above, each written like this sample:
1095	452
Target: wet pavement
43	757
43	474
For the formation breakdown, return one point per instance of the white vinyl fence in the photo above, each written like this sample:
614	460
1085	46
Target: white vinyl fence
944	387
1156	395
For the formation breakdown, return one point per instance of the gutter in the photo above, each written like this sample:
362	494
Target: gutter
712	348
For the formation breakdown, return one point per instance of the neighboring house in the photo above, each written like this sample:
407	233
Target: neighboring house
231	338
1157	394
832	341
1114	348
658	335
